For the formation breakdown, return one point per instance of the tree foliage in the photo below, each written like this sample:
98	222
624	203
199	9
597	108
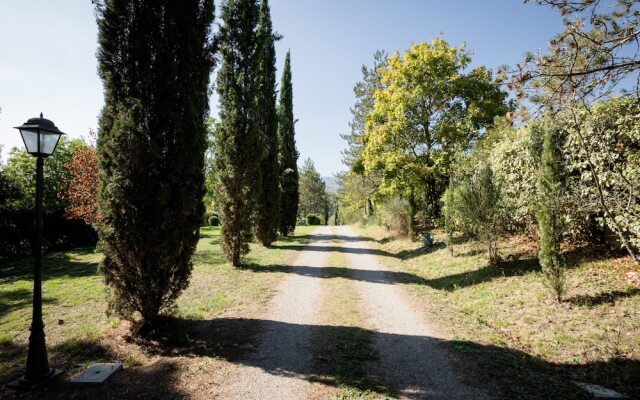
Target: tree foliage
238	144
313	193
20	170
155	59
288	157
82	185
549	214
594	54
427	109
268	206
475	206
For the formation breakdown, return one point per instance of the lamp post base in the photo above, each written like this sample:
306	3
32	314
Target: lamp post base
23	383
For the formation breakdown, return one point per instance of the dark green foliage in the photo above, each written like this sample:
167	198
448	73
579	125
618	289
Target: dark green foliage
313	219
477	208
288	154
313	193
448	214
268	205
238	145
549	213
213	220
155	58
20	170
17	196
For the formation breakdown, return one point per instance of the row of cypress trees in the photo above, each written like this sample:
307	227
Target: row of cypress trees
256	158
155	58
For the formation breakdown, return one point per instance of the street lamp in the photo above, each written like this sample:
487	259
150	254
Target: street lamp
40	137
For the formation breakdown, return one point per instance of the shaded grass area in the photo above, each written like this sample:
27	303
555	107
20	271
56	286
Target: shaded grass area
78	330
504	318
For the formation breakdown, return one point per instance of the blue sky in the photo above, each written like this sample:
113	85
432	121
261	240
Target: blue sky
49	64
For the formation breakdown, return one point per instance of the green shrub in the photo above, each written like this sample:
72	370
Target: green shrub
213	220
394	216
477	209
313	219
550	216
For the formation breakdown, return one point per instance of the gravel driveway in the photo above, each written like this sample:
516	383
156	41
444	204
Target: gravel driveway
411	360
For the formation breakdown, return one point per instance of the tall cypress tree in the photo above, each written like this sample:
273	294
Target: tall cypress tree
549	216
155	58
288	154
239	149
269	203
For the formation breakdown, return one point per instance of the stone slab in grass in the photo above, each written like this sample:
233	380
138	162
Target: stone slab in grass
600	392
95	375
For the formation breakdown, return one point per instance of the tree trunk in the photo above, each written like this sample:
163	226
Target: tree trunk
411	213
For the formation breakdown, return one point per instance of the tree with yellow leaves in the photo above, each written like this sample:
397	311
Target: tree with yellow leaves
428	108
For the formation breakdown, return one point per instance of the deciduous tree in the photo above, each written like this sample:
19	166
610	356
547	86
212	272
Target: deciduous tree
427	109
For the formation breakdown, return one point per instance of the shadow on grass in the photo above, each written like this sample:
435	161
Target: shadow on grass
157	380
484	274
505	372
513	373
61	264
11	300
602	298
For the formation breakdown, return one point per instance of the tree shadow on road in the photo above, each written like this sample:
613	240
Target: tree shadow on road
503	372
447	283
510	372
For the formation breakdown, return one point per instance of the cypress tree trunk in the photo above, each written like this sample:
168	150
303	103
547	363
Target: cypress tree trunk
448	214
288	154
268	206
411	215
548	214
155	58
239	150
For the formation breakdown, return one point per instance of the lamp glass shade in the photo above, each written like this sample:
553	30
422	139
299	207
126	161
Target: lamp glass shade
45	146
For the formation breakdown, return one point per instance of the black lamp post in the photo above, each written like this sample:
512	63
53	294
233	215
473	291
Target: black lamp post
40	137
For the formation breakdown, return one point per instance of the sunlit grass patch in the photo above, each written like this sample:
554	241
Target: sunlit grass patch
78	329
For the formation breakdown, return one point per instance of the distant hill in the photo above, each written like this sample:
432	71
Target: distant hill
332	184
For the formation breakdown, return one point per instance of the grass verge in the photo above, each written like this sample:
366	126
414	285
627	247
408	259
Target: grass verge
78	330
505	320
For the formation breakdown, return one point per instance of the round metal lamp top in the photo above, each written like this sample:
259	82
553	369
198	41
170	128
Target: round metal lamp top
40	123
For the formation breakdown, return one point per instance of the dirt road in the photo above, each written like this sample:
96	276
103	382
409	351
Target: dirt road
411	361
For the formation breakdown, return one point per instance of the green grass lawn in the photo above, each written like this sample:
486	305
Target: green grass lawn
77	325
506	320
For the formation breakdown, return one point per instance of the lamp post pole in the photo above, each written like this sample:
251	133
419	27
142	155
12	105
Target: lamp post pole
37	360
38	372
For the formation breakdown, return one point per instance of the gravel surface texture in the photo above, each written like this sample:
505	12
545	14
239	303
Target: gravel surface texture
281	366
411	359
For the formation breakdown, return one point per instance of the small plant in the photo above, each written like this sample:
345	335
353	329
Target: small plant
213	220
477	204
313	219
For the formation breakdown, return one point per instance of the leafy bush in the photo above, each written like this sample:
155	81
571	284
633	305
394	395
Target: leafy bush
59	233
477	209
394	216
313	219
213	220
